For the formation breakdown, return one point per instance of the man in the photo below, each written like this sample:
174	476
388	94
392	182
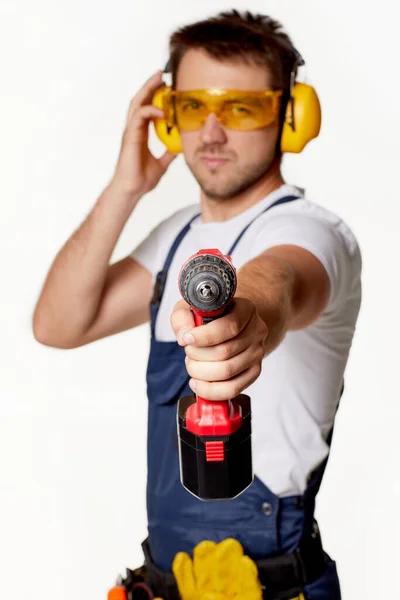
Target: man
286	340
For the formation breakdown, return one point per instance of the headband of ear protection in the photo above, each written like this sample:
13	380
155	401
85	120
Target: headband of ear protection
301	125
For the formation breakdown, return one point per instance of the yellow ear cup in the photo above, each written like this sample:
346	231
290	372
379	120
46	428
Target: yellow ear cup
307	119
166	132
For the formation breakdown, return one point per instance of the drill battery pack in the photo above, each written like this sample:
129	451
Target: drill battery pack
216	467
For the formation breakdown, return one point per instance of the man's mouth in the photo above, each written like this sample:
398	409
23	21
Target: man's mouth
213	161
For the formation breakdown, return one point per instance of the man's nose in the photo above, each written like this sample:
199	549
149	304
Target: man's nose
212	131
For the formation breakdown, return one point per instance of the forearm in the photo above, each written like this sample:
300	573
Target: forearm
269	282
73	288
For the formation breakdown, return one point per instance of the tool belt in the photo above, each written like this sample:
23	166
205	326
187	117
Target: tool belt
282	577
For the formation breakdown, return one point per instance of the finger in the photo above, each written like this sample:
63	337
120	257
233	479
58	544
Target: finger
183	572
255	332
182	322
137	128
224	370
228	554
142	115
203	563
224	390
223	351
145	93
166	159
227	327
250	586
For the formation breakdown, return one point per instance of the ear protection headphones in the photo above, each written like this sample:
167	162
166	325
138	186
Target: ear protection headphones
302	121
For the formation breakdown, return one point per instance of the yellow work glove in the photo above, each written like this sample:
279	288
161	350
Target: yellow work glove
217	572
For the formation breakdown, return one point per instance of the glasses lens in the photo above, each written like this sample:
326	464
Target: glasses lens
235	110
248	112
191	110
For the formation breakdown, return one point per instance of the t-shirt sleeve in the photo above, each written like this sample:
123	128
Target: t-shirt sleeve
332	243
152	251
147	251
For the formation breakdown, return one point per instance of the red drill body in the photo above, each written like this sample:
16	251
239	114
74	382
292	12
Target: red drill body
215	436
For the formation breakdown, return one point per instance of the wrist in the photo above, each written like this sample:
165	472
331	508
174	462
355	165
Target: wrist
273	313
124	192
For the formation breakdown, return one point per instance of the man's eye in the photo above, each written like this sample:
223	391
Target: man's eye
191	106
238	108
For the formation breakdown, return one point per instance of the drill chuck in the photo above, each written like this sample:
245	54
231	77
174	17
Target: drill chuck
208	281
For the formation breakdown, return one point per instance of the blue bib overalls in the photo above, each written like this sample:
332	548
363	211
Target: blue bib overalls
262	522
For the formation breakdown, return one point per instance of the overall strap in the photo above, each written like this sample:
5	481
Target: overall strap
241	234
161	277
176	243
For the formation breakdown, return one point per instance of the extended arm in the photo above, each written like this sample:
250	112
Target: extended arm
285	288
289	287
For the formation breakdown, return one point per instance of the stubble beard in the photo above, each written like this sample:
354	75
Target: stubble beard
241	180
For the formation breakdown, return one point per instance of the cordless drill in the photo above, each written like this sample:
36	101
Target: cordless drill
214	436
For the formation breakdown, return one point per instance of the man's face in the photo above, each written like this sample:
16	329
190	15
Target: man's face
225	162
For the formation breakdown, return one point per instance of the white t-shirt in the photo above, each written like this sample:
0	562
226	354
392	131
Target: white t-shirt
294	400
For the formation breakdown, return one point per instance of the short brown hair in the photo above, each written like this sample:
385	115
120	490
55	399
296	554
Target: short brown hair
244	37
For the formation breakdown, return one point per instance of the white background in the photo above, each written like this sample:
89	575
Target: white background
73	423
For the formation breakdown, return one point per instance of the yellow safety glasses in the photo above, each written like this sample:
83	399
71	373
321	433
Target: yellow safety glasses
235	109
